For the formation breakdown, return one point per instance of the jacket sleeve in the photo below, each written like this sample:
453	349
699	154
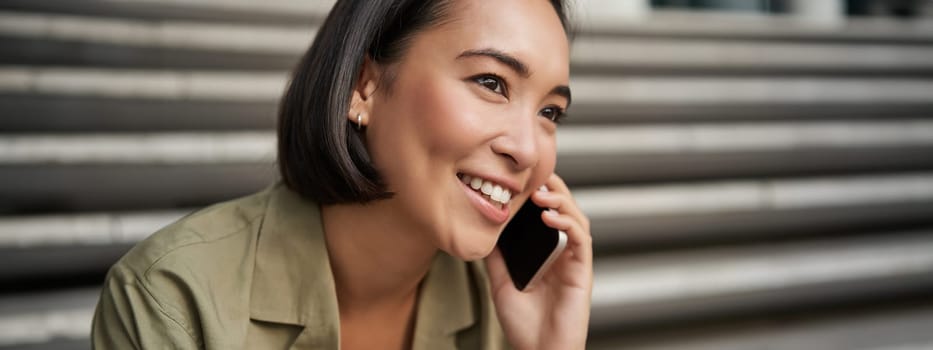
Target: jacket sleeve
128	316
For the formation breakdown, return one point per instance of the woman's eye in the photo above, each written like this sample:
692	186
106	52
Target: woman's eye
554	114
492	83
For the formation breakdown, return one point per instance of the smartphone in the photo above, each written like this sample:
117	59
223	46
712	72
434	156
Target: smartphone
529	246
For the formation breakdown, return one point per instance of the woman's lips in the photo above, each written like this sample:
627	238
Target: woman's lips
497	214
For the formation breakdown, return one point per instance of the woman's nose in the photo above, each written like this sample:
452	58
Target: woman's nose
518	143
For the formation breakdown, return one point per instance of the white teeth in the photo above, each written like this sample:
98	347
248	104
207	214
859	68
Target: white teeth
495	192
476	183
487	188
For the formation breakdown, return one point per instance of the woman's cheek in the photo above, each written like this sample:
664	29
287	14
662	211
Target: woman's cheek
456	117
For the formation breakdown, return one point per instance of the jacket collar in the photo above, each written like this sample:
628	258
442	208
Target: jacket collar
293	282
446	304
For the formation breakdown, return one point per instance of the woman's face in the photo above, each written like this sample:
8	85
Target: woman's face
473	97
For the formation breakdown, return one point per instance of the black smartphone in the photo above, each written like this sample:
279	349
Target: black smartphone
529	246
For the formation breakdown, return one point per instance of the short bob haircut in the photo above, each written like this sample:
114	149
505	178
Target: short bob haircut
321	154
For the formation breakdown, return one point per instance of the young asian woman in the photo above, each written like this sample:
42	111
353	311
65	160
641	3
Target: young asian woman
375	237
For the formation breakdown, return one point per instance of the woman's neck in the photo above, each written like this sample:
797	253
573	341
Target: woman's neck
377	258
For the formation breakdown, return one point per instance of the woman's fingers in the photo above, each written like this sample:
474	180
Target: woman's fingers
576	234
559	198
575	265
555	184
559	202
565	215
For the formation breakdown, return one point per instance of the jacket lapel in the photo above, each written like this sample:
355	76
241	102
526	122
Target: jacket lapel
446	304
292	281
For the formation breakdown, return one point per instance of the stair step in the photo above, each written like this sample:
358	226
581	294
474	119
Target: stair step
34	52
163	34
152	148
162	85
92	187
71	114
741	137
619	91
645	168
44	317
620	235
49	247
888	326
702	283
672	56
292	12
752	194
763	27
83	229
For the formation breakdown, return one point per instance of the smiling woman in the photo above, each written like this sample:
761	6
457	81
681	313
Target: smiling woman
410	133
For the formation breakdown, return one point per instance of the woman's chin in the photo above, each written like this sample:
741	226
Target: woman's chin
472	252
474	257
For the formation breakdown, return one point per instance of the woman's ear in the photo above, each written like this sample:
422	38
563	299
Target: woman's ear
361	98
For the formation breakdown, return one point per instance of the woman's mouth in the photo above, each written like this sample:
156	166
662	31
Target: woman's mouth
495	194
490	198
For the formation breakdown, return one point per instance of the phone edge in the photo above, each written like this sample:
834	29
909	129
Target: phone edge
561	244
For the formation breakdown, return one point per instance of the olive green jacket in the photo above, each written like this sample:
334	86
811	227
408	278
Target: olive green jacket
253	273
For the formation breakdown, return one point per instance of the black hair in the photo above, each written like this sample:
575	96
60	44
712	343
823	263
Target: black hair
321	155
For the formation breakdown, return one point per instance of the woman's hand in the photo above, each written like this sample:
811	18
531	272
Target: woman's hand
554	313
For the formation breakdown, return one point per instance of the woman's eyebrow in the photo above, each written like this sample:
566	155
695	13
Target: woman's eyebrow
504	58
516	65
562	91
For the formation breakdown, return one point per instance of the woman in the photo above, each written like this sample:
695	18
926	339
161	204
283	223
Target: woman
375	240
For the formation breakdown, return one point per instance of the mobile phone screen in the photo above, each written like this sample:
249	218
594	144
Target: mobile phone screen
527	244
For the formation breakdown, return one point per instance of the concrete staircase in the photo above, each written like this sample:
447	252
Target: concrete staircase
753	182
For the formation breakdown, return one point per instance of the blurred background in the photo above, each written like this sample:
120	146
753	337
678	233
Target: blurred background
759	174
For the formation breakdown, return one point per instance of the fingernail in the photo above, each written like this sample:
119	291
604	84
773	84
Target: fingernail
543	188
551	212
